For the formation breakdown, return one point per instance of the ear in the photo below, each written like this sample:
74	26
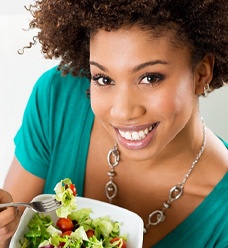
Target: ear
204	74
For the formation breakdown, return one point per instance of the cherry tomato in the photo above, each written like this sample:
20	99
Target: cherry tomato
67	233
90	233
73	188
65	224
124	244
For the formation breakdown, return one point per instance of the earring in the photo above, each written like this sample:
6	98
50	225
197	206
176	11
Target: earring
205	90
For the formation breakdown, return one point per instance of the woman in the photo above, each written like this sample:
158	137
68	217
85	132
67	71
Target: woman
148	63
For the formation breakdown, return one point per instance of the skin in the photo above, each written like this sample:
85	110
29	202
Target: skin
170	101
9	219
149	168
129	102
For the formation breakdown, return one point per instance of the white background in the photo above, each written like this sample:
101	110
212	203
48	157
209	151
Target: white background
19	73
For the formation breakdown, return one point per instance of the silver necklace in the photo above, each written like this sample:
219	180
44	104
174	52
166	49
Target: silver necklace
175	192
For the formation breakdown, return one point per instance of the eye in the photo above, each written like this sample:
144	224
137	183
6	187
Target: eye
102	80
151	78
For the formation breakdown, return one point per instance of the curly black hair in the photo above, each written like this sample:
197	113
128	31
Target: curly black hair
66	26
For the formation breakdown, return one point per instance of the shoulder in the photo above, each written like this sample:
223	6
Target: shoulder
217	152
54	79
54	94
224	142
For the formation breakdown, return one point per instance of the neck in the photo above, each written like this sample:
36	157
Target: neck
159	215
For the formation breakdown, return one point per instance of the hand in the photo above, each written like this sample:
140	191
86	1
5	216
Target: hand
9	219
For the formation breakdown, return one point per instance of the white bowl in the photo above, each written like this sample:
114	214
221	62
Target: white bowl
131	223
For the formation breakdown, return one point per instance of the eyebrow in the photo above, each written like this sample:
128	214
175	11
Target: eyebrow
136	68
103	68
149	63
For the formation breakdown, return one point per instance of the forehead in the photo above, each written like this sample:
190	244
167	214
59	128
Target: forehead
140	33
134	42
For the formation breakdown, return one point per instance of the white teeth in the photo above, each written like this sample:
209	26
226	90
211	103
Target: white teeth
142	134
127	135
136	135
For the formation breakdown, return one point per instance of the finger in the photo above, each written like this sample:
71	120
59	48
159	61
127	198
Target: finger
9	215
10	224
5	196
6	233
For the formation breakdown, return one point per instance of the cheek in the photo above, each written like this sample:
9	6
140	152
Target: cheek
99	102
174	101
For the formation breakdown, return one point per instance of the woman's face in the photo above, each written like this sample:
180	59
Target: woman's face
142	89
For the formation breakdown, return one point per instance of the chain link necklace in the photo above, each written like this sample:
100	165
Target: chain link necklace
157	216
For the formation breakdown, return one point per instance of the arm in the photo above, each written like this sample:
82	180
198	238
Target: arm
9	219
32	145
22	185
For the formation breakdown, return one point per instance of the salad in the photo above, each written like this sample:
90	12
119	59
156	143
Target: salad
74	228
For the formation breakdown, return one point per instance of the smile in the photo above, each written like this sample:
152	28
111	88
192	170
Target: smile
136	135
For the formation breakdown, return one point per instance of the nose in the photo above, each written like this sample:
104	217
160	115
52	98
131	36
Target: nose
127	104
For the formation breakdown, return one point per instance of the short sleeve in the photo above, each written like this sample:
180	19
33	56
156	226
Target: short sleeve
32	139
53	140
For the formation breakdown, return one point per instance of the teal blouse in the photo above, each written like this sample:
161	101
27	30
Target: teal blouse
53	143
207	226
53	140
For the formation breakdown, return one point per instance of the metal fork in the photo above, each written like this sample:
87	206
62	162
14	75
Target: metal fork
48	205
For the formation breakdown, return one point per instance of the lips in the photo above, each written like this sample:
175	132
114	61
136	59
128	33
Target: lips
136	135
